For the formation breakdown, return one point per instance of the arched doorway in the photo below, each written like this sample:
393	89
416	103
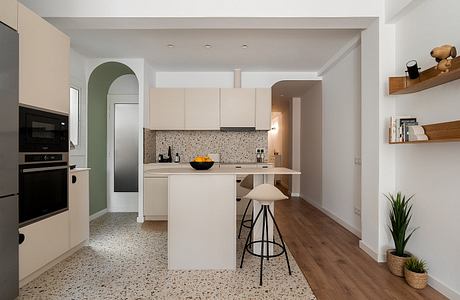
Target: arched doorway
99	83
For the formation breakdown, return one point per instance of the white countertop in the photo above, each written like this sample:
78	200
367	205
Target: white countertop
220	171
79	170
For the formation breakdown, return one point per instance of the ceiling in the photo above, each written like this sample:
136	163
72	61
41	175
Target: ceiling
304	50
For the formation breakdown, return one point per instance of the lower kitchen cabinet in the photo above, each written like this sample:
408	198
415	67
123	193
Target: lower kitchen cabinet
79	207
156	198
44	241
48	239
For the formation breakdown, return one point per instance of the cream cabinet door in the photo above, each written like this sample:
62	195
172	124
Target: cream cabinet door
156	198
263	109
44	241
43	63
167	108
202	109
79	207
9	13
237	107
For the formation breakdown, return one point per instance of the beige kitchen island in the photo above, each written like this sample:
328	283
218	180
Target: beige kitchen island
202	214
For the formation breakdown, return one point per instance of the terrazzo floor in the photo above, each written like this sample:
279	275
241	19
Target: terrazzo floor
127	260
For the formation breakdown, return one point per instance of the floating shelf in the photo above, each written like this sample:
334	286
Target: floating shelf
428	79
438	133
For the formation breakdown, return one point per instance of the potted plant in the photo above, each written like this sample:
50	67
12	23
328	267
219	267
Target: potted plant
415	272
400	217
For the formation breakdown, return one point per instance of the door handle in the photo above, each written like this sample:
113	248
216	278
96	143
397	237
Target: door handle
74	179
44	169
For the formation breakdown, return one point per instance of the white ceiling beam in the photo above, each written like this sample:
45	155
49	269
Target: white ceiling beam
344	51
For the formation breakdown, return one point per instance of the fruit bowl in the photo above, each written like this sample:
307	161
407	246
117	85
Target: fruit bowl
205	165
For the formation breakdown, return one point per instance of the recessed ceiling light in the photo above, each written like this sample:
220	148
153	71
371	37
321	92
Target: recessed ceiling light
208	46
171	45
244	46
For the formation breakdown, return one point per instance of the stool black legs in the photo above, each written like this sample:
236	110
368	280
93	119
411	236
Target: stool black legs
264	243
243	219
282	241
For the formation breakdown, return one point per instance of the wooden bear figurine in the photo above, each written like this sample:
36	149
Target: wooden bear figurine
443	56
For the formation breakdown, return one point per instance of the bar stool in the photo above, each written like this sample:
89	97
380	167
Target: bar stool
248	183
265	195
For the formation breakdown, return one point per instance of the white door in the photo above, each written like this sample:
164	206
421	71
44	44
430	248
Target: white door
122	153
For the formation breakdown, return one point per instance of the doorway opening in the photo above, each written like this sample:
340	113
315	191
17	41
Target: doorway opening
105	90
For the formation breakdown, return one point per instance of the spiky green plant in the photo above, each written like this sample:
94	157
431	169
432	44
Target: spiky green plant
400	217
416	265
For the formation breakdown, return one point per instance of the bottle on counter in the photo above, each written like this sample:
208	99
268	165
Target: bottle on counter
262	155
177	158
258	156
169	154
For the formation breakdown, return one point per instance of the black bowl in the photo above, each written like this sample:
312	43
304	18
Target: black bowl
206	165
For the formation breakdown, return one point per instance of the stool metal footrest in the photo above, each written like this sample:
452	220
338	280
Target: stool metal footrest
265	212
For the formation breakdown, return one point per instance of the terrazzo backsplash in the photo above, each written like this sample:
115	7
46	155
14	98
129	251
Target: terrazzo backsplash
232	146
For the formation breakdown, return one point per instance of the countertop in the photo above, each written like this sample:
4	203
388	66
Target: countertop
220	171
79	170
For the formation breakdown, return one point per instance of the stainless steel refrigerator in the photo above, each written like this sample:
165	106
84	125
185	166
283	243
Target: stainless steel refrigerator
9	89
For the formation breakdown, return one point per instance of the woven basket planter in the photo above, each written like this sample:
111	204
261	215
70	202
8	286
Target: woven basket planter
416	280
396	263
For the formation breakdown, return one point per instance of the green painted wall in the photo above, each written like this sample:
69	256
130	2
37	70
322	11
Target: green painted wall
98	87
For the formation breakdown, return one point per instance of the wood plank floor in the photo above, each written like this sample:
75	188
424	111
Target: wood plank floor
331	260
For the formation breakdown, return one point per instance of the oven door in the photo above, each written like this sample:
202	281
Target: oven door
41	131
43	191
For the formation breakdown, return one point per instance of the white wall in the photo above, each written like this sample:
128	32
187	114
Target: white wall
341	124
431	171
78	65
225	79
311	145
296	144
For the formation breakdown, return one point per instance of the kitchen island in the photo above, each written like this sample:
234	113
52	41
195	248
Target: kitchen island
202	214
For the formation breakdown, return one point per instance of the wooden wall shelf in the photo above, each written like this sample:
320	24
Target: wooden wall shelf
428	79
439	133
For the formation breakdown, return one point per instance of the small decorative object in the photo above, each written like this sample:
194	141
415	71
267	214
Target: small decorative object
443	56
415	272
400	217
202	163
412	69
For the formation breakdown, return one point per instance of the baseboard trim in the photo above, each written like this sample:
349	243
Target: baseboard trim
156	218
51	264
333	217
140	219
369	251
442	288
295	194
98	214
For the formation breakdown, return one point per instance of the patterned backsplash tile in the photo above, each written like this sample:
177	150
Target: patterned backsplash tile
232	146
149	146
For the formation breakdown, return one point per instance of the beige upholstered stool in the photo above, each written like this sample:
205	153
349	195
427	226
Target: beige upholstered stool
265	195
248	183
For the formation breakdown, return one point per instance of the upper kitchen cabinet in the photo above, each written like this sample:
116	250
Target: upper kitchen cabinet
167	109
237	107
43	63
9	13
263	109
202	109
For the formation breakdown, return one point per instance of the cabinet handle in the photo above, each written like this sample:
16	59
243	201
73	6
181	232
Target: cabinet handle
238	167
238	199
22	237
74	178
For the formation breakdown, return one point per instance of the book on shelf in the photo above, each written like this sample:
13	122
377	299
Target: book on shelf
399	128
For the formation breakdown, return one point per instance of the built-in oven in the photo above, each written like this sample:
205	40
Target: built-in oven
42	131
43	186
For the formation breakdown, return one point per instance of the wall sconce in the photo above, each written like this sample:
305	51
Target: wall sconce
412	69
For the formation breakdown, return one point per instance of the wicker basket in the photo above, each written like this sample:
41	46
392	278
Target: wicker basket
396	263
416	280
